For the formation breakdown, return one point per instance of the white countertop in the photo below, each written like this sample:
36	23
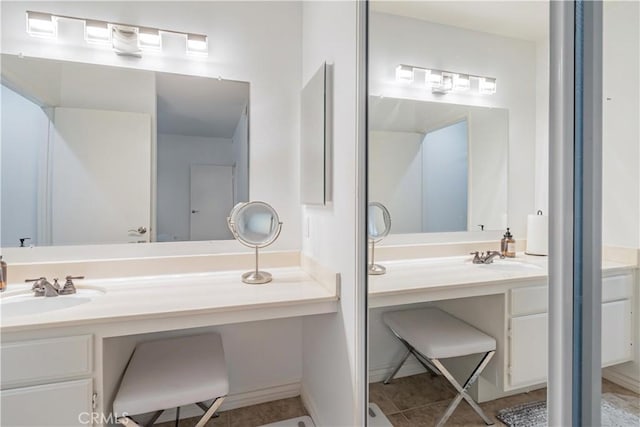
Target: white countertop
419	280
181	295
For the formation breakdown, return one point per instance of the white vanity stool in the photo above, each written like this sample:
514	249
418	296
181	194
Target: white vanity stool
430	334
171	373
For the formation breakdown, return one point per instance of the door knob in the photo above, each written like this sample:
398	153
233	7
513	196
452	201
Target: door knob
194	211
139	230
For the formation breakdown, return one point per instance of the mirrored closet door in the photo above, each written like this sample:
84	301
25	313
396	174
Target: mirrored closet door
473	261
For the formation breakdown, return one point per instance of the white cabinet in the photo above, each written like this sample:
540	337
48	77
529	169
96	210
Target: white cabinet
616	332
64	404
528	330
47	382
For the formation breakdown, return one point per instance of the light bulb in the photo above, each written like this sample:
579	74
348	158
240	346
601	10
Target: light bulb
404	73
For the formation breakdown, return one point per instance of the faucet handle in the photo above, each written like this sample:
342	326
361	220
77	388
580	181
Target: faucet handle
69	287
476	257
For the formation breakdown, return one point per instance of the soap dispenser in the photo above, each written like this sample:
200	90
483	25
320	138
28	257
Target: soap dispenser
508	245
3	275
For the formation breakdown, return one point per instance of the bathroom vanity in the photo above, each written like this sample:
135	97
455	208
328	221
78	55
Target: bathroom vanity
70	353
508	300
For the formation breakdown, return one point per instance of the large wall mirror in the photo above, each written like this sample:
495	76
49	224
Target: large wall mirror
95	154
439	167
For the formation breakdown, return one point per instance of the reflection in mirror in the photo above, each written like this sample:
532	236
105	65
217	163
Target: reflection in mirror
96	154
439	167
256	225
378	227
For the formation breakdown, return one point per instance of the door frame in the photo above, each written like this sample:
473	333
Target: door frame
575	206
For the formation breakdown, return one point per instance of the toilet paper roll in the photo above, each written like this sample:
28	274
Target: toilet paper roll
537	234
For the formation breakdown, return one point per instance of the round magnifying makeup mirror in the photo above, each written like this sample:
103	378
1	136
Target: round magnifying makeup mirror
378	226
256	225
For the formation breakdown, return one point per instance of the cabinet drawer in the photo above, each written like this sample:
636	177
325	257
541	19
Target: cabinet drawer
63	404
530	300
41	361
617	287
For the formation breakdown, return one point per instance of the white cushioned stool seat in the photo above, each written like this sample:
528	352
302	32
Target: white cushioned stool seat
173	372
438	335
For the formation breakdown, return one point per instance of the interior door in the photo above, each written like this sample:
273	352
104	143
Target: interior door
211	202
101	177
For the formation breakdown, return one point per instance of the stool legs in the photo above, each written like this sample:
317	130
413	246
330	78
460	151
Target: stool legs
397	368
410	350
462	390
208	413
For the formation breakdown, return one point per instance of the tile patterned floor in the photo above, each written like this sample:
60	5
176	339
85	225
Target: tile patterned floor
420	400
251	416
414	401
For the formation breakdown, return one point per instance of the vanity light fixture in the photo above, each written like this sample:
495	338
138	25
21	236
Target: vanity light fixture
404	73
442	82
42	25
125	39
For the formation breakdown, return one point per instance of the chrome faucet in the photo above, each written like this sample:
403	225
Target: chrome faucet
43	288
485	257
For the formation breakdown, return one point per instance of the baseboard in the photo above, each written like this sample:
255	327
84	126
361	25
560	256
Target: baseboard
309	404
411	367
238	400
630	383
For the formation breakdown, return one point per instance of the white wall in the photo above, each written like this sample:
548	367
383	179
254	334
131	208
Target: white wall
330	349
23	143
176	154
398	40
257	42
542	127
621	127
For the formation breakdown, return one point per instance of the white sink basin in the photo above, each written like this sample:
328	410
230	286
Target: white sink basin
25	304
503	265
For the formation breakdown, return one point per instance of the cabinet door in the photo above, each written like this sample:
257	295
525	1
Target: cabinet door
64	404
528	350
616	332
